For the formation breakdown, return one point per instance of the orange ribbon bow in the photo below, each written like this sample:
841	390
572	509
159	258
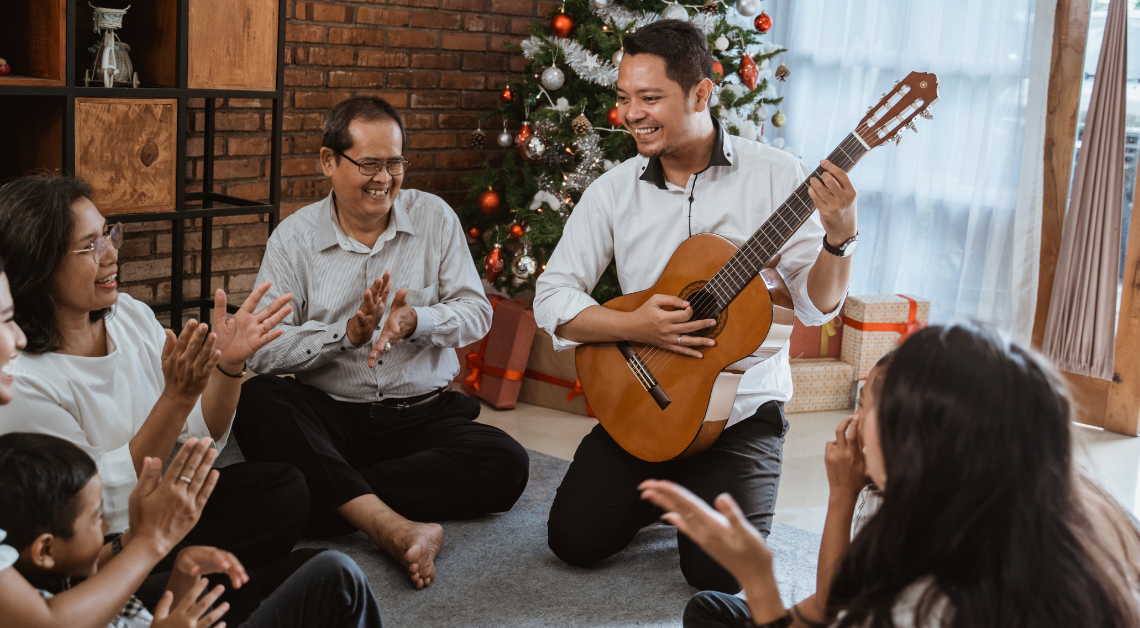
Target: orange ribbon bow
903	329
574	386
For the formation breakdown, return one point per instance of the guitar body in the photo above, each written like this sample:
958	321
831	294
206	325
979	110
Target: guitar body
695	415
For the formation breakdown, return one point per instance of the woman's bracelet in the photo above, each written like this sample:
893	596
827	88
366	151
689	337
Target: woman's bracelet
238	376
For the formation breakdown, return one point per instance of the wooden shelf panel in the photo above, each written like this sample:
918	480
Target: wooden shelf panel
28	81
233	45
149	28
34	33
33	136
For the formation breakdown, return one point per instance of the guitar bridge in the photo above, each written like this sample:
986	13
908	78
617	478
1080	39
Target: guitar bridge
644	375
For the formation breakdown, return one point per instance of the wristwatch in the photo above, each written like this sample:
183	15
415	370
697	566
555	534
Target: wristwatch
847	249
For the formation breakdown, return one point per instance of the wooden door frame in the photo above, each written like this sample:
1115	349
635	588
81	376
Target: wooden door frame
1113	405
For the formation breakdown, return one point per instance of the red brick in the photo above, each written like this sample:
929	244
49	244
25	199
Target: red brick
253	235
136	227
517	64
310	33
479	100
224	261
479	6
416	80
384	17
232	220
543	9
316	187
249	146
249	103
300	167
459	161
323	12
251	191
419	121
324	56
145	269
398	100
139	292
356	78
382	59
484	62
458	120
487	24
194	146
356	36
237	121
446	61
135	247
304	144
433	19
434	101
319	100
412	39
299	121
520	26
462	81
499	44
438	181
421	160
429	4
305	78
288	208
455	41
237	169
243	283
513	7
433	140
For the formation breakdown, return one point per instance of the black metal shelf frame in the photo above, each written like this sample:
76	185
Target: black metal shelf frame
207	212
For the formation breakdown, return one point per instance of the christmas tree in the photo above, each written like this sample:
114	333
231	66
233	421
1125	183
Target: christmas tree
570	131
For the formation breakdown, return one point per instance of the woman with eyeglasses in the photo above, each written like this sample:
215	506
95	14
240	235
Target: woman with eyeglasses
101	372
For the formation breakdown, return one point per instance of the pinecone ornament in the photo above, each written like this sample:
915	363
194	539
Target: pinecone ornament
478	138
581	125
783	72
710	7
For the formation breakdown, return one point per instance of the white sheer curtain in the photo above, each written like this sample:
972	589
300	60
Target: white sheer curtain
939	215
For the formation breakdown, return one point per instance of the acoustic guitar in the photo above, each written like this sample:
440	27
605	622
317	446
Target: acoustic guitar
659	405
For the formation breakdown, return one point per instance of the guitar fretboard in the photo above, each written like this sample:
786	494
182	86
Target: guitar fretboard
742	267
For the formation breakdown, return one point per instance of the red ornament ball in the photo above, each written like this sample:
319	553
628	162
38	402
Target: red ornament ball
474	233
718	69
490	201
494	263
762	22
561	25
613	117
507	95
517	230
749	72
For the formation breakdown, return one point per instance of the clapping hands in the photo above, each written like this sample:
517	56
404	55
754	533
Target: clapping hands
241	335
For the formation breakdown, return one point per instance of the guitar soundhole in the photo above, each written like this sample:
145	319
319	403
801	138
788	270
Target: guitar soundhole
704	305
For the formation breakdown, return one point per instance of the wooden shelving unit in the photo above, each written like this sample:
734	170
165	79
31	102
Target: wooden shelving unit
135	139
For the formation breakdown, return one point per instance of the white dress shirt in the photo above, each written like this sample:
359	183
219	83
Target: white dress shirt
633	216
100	403
327	272
8	554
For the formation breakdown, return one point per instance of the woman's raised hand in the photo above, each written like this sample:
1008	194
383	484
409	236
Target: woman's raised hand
189	361
724	534
162	511
843	457
241	335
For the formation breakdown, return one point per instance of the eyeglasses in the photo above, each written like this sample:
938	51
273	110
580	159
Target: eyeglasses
396	167
98	248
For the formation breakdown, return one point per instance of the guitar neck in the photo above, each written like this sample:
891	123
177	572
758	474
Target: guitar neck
742	267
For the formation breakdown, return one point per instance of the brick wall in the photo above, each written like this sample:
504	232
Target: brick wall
440	62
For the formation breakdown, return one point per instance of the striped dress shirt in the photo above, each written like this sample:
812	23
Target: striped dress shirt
327	272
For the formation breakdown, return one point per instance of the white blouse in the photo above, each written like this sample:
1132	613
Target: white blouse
100	403
8	554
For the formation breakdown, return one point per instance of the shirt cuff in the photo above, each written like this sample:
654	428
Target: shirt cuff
580	301
425	322
336	334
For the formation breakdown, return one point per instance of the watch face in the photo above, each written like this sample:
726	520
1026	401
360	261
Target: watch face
849	248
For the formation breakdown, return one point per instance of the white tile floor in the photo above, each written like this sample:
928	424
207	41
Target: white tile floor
802	502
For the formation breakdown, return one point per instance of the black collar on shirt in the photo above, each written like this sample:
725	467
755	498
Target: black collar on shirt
655	174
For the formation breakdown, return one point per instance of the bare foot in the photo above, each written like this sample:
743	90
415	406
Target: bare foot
415	546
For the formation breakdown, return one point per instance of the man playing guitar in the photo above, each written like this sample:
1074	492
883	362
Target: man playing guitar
691	177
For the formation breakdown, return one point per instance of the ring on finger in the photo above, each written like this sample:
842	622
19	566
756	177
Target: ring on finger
185	479
679	339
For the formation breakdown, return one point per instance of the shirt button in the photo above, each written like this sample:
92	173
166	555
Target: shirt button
335	336
342	348
413	340
380	361
308	351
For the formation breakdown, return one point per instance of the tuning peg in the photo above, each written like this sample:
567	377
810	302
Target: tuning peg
926	115
910	125
897	83
897	138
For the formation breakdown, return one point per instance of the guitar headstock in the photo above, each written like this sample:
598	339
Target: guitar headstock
910	97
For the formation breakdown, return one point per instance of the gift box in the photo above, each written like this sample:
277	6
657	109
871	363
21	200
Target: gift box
551	379
820	384
824	341
875	324
492	369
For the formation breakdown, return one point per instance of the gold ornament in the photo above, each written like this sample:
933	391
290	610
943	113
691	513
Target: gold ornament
779	119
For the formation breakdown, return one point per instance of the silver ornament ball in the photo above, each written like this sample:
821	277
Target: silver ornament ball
721	43
618	57
553	78
505	139
600	4
748	8
674	12
523	266
534	147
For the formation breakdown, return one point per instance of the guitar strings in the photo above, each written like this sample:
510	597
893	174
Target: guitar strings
657	358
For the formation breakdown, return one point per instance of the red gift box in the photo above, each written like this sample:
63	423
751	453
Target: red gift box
492	369
825	341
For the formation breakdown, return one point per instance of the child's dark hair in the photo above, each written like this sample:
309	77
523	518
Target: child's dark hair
40	479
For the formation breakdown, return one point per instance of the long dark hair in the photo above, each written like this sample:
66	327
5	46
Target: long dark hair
980	497
36	225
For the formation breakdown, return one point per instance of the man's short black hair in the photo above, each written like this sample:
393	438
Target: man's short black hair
367	108
682	45
40	480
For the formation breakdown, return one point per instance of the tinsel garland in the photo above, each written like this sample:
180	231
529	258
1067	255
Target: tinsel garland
585	64
624	18
590	157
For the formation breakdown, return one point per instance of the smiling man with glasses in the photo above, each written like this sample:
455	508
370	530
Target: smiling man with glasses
385	290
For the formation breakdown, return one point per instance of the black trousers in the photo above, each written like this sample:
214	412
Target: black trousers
257	511
435	465
598	509
712	609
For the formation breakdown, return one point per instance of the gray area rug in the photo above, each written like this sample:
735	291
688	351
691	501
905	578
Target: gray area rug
497	570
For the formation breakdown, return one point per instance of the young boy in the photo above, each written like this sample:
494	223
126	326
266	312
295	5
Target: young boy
51	509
